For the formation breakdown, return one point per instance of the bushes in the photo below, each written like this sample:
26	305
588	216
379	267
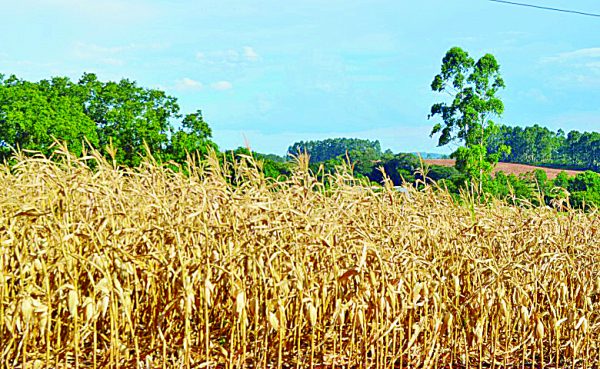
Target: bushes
583	190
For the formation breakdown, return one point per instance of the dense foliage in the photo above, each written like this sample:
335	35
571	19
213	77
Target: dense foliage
472	86
332	148
108	115
581	191
541	146
121	119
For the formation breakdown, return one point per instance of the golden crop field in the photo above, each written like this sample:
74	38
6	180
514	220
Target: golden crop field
149	268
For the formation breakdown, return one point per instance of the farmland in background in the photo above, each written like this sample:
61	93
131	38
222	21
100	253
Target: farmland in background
510	168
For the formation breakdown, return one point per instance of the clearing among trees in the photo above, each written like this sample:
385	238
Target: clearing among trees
509	168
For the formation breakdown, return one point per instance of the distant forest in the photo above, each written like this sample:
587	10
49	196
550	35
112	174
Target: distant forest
123	120
368	162
538	145
534	145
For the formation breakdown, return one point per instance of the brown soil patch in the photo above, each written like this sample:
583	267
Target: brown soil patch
509	168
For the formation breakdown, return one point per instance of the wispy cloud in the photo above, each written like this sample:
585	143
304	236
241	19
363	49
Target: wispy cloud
101	54
534	94
581	67
575	120
577	56
250	54
126	11
7	62
228	57
219	56
110	55
324	86
188	84
222	85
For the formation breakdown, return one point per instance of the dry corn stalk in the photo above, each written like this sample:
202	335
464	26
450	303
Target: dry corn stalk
154	268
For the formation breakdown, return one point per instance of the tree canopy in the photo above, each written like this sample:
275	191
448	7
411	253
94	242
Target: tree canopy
32	115
120	114
540	146
323	150
466	118
129	118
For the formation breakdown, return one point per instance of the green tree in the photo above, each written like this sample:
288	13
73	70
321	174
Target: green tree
33	115
539	145
129	117
330	148
585	190
365	161
589	147
467	117
561	180
193	137
399	168
586	181
573	147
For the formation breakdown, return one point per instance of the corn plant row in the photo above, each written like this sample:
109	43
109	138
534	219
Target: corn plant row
216	266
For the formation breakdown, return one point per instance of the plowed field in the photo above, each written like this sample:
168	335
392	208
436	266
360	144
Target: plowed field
509	168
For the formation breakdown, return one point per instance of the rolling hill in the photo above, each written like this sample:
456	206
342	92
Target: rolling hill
509	168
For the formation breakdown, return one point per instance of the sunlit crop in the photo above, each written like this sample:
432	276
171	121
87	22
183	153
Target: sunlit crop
150	268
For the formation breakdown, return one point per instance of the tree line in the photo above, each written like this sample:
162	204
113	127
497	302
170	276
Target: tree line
471	103
467	118
105	115
535	188
323	150
539	145
123	120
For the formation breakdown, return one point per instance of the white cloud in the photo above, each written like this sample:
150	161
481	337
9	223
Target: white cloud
113	10
593	65
222	85
250	53
582	120
110	55
580	67
535	94
228	57
577	55
101	54
324	86
188	84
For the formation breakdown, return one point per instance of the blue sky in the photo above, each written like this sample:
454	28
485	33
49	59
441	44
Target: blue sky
273	72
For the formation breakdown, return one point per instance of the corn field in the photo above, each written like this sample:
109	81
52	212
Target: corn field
103	267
